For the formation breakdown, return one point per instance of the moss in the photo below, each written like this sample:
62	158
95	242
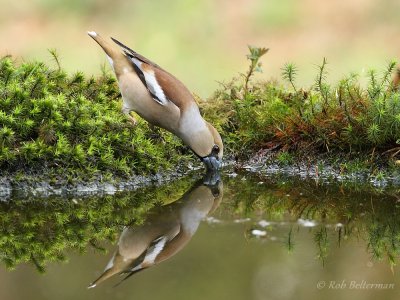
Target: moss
345	119
284	158
69	125
72	126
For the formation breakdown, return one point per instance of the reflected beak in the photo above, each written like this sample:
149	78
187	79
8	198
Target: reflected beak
211	179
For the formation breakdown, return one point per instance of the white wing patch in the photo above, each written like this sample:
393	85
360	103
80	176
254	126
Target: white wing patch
151	256
152	83
137	62
154	87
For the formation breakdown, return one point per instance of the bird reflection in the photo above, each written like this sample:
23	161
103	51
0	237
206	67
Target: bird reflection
166	230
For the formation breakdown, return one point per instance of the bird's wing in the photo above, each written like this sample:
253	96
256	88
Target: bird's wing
148	257
162	86
135	54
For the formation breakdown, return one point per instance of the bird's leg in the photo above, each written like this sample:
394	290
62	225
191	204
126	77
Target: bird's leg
127	112
132	119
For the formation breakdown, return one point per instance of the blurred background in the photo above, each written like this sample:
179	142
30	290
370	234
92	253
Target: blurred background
205	42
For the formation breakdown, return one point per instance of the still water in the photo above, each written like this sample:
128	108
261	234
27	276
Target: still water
244	236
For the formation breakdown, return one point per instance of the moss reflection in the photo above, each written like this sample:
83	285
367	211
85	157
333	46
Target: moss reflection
40	231
340	210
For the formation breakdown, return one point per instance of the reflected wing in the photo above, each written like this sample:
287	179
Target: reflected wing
148	257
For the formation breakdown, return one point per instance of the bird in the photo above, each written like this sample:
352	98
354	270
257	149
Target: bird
162	100
165	232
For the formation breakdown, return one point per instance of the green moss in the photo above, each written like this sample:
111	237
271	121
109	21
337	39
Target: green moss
71	122
342	119
284	158
71	125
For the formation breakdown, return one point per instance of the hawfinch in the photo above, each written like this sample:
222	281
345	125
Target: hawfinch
166	231
161	99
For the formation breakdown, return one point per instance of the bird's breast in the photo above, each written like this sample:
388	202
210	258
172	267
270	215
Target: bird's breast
194	132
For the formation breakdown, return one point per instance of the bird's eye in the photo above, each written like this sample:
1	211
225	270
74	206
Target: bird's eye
215	149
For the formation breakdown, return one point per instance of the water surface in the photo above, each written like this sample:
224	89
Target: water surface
245	237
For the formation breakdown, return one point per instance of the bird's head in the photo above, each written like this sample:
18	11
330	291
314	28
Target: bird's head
213	160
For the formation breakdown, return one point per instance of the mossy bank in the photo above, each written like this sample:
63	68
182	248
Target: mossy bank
343	130
64	128
60	127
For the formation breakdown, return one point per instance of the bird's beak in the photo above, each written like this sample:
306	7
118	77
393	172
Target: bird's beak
212	163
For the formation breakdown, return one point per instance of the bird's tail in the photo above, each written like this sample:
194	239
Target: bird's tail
105	275
109	48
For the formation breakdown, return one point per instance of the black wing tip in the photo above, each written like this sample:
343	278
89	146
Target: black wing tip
123	46
130	273
136	55
117	42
